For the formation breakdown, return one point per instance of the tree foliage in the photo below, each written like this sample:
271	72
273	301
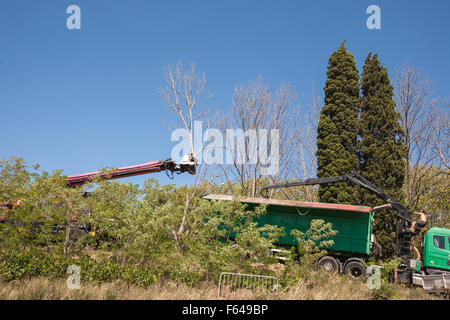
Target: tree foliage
129	227
312	244
433	195
381	149
336	139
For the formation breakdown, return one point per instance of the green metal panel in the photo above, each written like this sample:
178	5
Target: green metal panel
354	224
354	228
435	257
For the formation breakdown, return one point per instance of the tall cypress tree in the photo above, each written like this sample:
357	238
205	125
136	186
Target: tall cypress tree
336	139
381	150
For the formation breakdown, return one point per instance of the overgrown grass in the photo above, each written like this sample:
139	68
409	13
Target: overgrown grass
319	286
32	275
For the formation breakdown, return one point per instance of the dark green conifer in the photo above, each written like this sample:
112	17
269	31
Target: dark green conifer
336	139
381	150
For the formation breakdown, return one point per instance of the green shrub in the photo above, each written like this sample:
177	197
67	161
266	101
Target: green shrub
27	264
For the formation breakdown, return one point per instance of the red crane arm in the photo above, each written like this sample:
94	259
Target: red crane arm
148	167
188	164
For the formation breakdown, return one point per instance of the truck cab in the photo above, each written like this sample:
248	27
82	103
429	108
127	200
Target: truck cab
437	251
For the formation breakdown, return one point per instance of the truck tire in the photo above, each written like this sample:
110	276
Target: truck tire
328	264
355	270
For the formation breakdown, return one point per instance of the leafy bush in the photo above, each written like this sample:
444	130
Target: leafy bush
28	264
386	291
54	224
311	246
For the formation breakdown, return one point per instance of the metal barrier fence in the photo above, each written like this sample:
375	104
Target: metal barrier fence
236	281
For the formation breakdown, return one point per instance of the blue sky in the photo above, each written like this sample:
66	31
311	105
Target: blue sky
80	100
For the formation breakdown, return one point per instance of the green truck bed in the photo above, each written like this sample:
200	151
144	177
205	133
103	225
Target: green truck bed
353	223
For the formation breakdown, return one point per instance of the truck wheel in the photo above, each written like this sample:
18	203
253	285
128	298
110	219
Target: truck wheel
355	270
328	264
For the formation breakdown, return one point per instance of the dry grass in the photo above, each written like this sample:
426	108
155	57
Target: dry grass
320	286
49	289
416	293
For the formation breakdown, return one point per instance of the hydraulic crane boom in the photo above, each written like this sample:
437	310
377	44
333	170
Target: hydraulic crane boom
404	223
187	164
355	178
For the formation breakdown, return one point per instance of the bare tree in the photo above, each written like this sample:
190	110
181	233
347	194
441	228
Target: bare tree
184	93
441	143
421	121
305	164
267	121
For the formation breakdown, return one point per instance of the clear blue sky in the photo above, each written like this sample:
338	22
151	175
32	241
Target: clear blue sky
79	100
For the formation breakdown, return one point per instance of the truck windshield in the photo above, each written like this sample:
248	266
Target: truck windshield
439	242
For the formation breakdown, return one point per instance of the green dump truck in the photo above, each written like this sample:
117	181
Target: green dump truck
355	239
